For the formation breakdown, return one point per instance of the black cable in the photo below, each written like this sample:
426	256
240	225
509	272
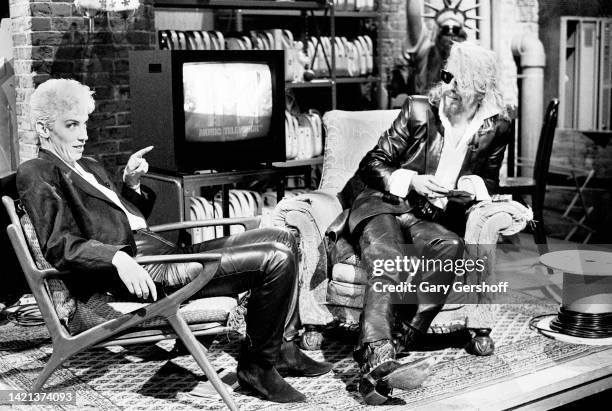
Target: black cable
26	315
576	324
534	320
583	325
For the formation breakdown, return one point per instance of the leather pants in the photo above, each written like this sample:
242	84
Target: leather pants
263	261
386	237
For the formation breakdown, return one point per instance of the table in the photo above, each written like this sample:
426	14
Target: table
587	279
175	189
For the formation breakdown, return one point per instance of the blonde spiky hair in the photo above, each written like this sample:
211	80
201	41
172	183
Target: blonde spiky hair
56	96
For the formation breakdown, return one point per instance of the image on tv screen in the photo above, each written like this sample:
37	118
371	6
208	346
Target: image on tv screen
226	101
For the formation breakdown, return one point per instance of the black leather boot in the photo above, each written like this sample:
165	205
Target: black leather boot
381	372
259	375
292	361
268	308
376	360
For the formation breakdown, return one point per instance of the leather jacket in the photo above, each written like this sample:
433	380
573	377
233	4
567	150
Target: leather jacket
414	142
79	229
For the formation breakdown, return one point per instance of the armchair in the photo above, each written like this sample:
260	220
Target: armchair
124	323
333	290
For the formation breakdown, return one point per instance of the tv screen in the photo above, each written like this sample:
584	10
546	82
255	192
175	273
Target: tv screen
209	109
226	101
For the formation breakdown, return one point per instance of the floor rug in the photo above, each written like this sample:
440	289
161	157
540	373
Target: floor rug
143	376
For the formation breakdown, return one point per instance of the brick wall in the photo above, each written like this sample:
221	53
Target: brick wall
391	35
52	40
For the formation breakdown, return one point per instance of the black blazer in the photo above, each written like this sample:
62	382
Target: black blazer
414	142
78	227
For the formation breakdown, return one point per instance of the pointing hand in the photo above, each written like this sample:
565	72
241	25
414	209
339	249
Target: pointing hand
136	167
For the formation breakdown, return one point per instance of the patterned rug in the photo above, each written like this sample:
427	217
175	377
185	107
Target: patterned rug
146	377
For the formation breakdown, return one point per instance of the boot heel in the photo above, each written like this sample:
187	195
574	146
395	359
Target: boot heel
373	393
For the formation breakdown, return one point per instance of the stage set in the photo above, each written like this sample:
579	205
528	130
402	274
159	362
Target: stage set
260	113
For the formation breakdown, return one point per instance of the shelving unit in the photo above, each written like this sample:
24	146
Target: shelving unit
243	15
317	13
242	4
292	9
328	82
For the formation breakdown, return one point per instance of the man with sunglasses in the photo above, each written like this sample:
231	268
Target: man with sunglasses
427	56
408	202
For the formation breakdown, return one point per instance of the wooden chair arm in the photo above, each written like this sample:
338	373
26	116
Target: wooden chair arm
165	307
52	272
248	223
149	259
178	258
196	284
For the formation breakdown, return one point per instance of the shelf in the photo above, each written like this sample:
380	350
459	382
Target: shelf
351	80
299	163
241	4
357	14
309	84
322	9
328	82
317	13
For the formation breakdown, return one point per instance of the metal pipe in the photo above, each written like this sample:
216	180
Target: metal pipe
529	52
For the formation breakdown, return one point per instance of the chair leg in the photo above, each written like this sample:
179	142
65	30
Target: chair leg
195	348
55	361
539	233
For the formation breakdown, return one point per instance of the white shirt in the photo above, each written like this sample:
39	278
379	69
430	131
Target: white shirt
136	222
453	153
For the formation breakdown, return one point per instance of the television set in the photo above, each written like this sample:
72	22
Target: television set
208	109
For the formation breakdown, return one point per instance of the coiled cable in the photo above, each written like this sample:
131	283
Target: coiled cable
27	315
577	324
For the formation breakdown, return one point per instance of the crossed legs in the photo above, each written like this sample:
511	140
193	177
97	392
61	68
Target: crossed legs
264	262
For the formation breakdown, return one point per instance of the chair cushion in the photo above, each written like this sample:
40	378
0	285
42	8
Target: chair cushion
345	294
100	308
357	130
63	302
341	251
345	315
349	273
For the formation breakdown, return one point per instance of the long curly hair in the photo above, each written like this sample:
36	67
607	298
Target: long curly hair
57	96
475	69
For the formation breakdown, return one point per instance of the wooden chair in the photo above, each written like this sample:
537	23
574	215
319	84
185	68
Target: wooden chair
535	186
123	330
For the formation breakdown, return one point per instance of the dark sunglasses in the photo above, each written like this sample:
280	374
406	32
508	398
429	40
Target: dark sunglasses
450	30
446	76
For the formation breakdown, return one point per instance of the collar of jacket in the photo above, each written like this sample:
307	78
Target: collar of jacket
76	178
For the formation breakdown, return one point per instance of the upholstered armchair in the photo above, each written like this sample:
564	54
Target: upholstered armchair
334	290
